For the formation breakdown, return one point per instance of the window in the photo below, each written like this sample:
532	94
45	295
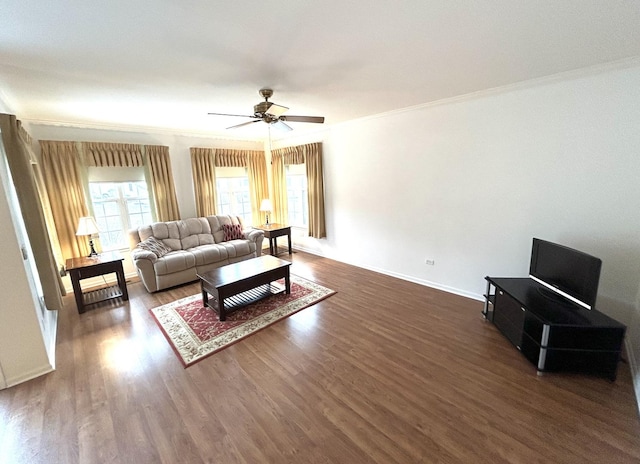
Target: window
118	207
298	204
232	192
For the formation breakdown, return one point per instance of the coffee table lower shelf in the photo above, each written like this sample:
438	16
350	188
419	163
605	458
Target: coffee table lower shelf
235	302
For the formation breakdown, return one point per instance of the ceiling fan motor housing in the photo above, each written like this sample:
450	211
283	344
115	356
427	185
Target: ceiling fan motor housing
261	108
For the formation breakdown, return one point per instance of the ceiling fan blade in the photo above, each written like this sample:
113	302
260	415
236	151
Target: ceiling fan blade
276	110
316	119
244	124
281	126
225	114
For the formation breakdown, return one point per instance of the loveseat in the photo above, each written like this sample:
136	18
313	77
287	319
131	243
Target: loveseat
166	254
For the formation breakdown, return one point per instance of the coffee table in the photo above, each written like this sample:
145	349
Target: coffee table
238	284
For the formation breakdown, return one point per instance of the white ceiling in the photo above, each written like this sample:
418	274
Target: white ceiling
164	64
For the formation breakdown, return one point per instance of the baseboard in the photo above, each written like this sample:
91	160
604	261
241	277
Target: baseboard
426	283
29	375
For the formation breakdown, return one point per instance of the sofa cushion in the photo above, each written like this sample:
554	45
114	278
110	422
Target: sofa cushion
216	223
167	232
236	248
232	232
195	232
155	246
175	261
209	254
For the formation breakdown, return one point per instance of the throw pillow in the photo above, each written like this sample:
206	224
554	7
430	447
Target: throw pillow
155	246
232	231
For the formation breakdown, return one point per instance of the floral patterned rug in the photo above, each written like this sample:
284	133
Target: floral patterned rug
194	332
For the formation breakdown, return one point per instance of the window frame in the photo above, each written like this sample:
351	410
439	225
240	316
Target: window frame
224	174
298	171
124	214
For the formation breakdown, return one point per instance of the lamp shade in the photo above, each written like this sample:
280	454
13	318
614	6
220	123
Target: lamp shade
266	205
87	226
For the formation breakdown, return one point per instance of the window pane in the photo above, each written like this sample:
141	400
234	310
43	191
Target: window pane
297	199
233	197
118	207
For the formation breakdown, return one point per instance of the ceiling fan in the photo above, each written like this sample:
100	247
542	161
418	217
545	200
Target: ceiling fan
271	114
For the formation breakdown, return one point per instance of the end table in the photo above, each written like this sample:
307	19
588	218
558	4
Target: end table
272	232
104	263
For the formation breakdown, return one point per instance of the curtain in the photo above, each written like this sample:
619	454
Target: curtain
258	183
112	154
46	207
164	191
204	180
19	157
278	178
62	169
311	155
315	189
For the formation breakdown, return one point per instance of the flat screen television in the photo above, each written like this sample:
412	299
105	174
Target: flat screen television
571	273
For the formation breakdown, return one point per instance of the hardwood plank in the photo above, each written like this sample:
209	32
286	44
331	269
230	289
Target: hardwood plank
384	371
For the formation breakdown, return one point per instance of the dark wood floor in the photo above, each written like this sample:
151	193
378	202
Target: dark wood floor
384	371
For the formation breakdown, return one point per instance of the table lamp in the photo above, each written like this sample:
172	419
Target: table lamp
266	207
87	226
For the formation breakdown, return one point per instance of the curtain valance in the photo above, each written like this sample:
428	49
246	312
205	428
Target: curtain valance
101	154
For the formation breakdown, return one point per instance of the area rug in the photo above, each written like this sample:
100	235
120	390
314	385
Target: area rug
194	332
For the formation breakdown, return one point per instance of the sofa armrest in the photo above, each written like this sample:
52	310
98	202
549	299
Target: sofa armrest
256	236
138	254
143	260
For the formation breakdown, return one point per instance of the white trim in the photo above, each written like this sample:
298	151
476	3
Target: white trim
426	283
560	292
29	375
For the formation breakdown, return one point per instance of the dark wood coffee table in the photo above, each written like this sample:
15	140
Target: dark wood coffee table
238	284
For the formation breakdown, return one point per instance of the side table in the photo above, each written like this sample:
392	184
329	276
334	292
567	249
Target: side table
104	263
272	232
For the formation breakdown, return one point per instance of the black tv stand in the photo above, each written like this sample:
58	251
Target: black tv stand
553	335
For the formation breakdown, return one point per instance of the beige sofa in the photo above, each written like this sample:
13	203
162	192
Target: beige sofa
166	254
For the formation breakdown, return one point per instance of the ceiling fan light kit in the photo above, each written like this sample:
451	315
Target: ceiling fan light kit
271	113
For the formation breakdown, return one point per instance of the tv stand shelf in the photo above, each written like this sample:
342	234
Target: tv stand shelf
554	334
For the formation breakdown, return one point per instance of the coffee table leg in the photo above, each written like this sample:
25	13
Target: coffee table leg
287	283
205	296
223	314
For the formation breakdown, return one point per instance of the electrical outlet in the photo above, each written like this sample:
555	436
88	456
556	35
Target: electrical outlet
430	262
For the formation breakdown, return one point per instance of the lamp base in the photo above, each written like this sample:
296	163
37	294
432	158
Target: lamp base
93	250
